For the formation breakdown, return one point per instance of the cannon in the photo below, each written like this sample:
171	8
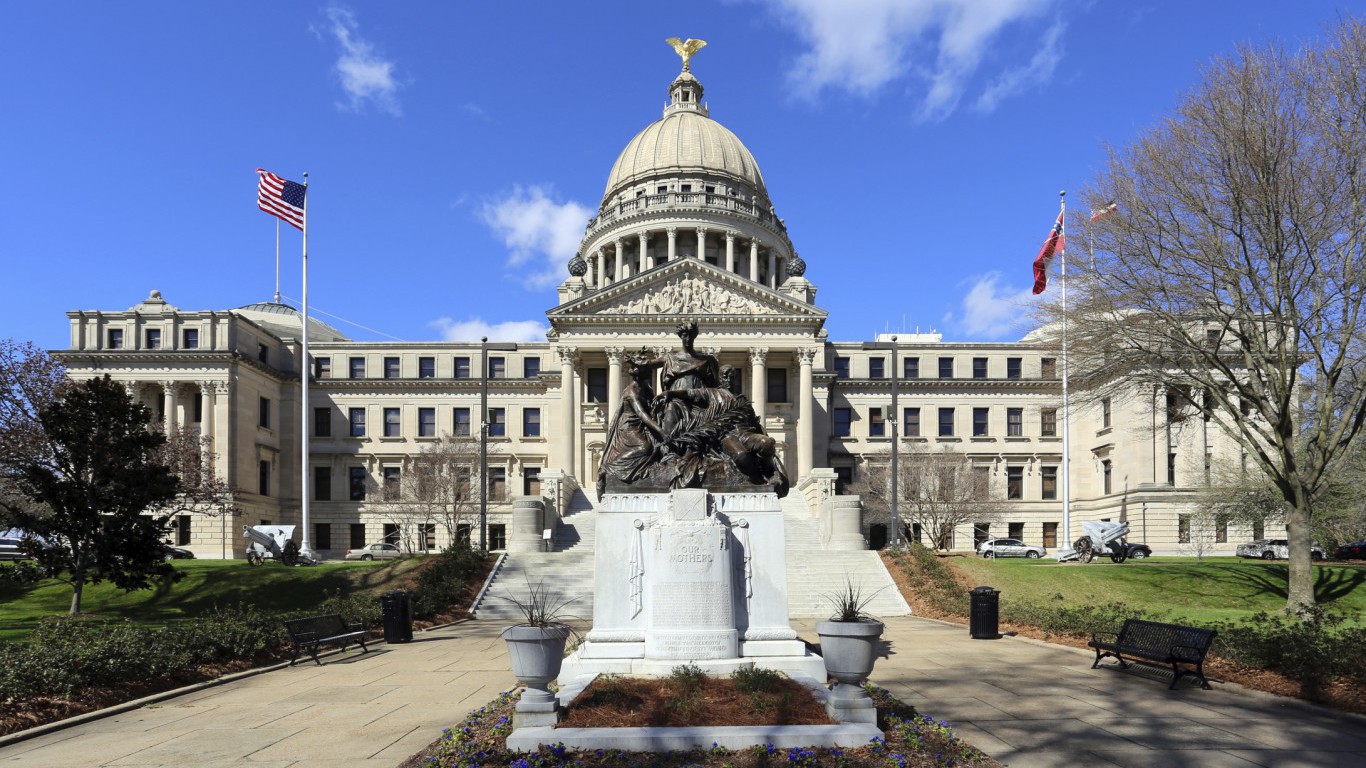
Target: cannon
274	542
1101	538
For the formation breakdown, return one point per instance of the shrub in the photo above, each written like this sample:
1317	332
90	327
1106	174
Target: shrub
752	679
1313	650
361	607
1073	620
443	579
934	580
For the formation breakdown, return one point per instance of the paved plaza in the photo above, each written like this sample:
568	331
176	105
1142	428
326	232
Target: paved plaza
1025	703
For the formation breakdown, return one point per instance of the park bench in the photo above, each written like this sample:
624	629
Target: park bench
1162	643
310	632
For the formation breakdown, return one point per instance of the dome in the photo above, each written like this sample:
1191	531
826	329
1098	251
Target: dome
686	140
283	321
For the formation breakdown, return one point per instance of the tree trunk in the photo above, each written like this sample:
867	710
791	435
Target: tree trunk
78	583
1300	591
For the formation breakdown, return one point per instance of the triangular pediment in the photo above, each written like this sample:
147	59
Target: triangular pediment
686	288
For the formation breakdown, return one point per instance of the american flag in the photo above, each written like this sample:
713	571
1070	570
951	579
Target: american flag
281	197
1054	244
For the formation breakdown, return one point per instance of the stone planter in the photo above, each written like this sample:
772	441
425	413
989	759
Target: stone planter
536	654
849	649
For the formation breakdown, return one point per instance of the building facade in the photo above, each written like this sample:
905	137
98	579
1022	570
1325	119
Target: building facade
685	231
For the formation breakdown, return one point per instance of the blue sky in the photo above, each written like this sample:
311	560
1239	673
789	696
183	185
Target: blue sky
455	150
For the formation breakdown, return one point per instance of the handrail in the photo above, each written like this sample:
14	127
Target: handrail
479	598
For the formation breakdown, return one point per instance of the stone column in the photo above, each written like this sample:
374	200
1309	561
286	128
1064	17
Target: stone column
599	265
621	271
172	401
567	405
758	376
772	268
644	248
702	243
805	425
673	242
730	252
222	430
614	357
754	259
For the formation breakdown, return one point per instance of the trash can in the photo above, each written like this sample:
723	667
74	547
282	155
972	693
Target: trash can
984	613
397	610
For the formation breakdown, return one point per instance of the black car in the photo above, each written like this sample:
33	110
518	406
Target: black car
1354	551
1139	551
175	553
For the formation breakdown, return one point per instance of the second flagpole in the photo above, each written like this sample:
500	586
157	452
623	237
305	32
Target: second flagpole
305	372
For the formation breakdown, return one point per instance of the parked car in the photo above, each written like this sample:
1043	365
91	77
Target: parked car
374	552
1354	551
1274	549
11	549
1138	551
1010	548
176	553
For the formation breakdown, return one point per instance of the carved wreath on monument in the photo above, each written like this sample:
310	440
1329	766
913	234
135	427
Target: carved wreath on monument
700	432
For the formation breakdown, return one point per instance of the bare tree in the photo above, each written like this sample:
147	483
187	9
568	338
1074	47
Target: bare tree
938	489
438	487
192	459
1234	269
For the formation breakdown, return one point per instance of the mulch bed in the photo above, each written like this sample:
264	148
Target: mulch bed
616	702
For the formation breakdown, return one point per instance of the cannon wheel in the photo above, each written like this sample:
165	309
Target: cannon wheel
1118	557
290	555
1083	548
254	557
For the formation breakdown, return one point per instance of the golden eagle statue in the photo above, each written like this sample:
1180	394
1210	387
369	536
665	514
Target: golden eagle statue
686	49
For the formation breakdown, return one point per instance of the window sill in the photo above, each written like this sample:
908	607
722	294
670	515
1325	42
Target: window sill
427	439
1017	439
983	439
533	439
391	439
1104	431
1050	439
879	439
948	439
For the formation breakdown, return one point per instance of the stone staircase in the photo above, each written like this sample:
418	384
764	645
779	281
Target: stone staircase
813	572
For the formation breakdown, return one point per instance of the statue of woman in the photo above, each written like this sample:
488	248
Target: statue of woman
634	440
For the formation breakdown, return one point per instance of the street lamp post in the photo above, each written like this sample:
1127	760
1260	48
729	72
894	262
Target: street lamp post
896	440
484	444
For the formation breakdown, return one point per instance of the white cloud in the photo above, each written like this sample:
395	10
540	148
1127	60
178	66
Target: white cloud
991	311
475	328
1023	78
366	77
863	45
541	235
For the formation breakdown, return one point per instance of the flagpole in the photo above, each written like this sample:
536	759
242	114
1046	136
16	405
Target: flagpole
305	372
277	260
1066	411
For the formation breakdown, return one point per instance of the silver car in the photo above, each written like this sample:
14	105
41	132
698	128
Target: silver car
10	549
374	552
1010	548
1275	549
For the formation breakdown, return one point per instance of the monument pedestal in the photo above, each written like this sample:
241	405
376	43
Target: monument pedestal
690	577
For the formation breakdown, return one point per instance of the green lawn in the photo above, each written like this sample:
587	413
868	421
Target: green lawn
207	583
1179	587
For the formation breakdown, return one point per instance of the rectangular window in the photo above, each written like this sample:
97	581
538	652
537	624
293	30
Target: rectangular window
263	478
462	367
182	530
461	424
980	533
358	536
1014	482
1258	529
264	413
910	368
392	424
877	427
946	367
1015	531
981	481
841	367
946	422
357	419
189	338
498	425
322	422
979	422
877	368
114	338
1048	368
597	385
1183	529
498	536
1014	422
844	477
322	368
322	483
498	484
1105	413
427	536
322	535
263	353
498	368
357	367
153	338
1048	422
198	409
426	367
531	481
464	533
777	385
910	419
918	533
843	418
1171	469
531	422
1050	535
1221	533
392	477
979	367
356	481
426	422
1014	366
531	367
393	534
1106	475
391	367
1050	482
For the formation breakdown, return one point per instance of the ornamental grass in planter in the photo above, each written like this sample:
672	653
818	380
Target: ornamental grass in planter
849	641
536	652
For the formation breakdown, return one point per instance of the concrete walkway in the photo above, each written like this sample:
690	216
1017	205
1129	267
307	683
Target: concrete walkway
1023	702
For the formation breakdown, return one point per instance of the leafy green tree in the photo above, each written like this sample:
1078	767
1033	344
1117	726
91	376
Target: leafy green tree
89	486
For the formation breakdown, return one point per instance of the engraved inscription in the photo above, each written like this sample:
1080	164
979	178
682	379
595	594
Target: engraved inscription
718	645
689	604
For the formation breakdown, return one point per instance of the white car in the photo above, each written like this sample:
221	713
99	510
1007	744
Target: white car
10	549
374	552
1010	548
1275	549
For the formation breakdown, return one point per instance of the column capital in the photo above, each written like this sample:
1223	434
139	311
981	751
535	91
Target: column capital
672	231
615	354
207	387
731	234
806	355
758	355
169	386
618	241
703	230
644	236
713	351
567	355
756	242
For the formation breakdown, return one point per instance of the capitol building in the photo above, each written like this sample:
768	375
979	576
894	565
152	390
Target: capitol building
686	231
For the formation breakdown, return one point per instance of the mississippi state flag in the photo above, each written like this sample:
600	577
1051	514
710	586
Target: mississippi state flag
281	197
1054	244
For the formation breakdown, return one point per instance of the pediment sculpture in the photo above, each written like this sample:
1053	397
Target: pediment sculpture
688	295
